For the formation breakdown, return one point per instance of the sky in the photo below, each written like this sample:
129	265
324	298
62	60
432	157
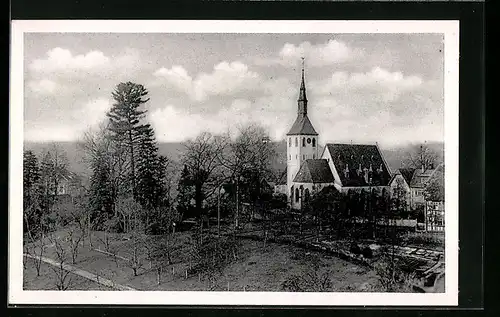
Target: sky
362	88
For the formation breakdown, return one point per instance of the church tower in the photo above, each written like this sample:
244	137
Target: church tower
302	139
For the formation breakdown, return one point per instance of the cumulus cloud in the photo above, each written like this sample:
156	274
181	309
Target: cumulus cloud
62	61
378	83
226	78
43	86
93	112
329	53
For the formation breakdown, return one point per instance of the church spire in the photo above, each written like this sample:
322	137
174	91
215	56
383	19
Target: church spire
302	102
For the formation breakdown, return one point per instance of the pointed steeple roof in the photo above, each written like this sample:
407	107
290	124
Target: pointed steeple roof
302	124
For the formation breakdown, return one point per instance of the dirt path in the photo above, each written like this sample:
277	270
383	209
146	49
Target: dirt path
82	273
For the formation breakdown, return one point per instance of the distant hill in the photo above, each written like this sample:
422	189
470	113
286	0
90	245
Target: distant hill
174	151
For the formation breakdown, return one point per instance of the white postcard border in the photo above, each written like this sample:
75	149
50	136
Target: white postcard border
16	295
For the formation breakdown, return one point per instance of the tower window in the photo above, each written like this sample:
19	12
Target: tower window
290	142
303	157
303	141
290	157
314	142
296	142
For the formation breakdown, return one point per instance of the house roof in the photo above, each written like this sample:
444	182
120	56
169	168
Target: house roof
303	126
282	179
420	178
357	163
314	171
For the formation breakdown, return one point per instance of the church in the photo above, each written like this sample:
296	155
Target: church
344	166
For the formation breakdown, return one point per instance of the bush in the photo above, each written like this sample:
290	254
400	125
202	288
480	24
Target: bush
354	248
113	225
367	252
427	239
392	277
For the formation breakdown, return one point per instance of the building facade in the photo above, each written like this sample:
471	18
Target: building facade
344	166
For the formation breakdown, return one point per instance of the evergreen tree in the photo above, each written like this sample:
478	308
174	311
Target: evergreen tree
31	177
151	169
101	190
31	186
185	193
125	120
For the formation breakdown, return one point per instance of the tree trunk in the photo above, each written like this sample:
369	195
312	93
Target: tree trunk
132	162
237	201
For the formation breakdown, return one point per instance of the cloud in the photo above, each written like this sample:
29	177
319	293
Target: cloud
68	126
62	61
92	113
378	83
43	86
329	53
225	79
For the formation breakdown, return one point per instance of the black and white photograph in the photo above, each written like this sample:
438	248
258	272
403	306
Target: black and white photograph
234	162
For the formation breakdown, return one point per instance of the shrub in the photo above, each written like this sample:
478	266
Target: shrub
367	252
392	277
354	248
114	225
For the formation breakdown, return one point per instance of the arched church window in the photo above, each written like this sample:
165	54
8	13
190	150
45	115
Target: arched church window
314	156
296	195
291	193
303	142
296	142
307	195
314	142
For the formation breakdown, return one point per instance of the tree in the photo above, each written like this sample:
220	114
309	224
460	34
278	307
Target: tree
31	192
434	189
399	198
63	277
125	120
54	167
422	156
248	160
152	191
185	193
201	160
109	164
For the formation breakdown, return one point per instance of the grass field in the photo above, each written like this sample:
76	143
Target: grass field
256	269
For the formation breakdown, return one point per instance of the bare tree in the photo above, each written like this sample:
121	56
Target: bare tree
135	261
38	245
201	160
75	236
249	154
98	145
422	156
63	277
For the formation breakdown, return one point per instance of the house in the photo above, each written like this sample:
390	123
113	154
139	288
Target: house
413	181
345	166
280	185
70	184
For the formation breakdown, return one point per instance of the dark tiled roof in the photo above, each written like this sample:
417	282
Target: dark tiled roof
302	125
348	158
282	180
407	174
314	171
